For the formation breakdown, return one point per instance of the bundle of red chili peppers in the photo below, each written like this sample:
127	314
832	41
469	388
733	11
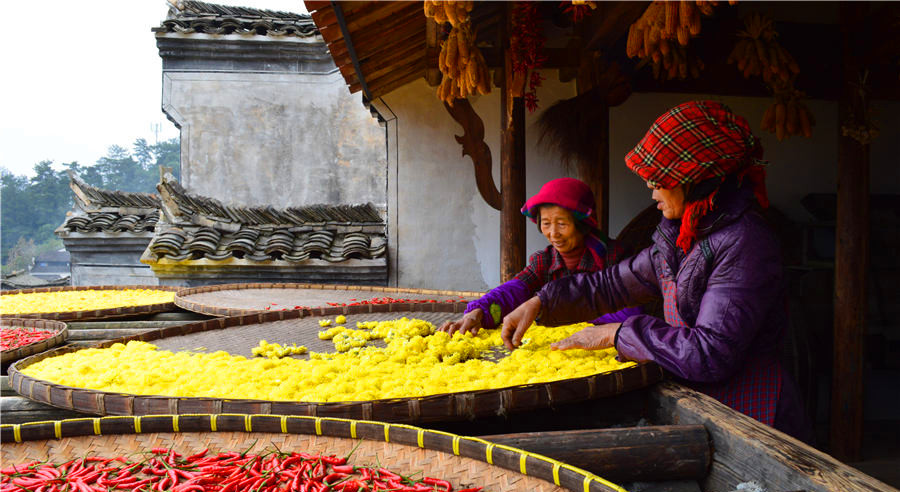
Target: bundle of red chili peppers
166	470
527	44
11	338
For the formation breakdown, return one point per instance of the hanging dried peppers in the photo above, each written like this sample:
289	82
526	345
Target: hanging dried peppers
526	43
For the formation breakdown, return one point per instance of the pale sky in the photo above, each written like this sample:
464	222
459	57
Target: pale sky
81	76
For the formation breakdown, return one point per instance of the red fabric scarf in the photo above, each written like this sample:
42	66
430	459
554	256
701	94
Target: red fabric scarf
691	143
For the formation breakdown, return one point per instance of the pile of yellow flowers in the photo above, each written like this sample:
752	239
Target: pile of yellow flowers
81	300
417	361
276	350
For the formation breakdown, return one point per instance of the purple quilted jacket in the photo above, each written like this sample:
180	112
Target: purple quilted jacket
731	297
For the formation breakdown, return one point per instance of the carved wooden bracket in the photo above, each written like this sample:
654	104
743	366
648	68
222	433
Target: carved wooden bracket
473	145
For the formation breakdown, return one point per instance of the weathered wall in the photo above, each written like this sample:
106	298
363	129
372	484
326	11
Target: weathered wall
108	259
278	139
447	237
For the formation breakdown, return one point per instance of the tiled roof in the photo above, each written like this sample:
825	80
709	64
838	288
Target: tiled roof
188	17
111	222
189	206
93	199
196	227
101	211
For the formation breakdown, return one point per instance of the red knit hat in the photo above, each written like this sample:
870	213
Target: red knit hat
569	193
693	142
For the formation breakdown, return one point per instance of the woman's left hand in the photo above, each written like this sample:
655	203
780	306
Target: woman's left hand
591	338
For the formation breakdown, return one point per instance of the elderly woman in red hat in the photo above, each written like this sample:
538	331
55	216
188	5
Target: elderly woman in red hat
714	261
562	211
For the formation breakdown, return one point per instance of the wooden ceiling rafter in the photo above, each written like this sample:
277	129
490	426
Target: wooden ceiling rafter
412	66
386	41
373	17
374	68
390	24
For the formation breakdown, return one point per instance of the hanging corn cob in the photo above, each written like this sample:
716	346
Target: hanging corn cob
653	36
788	116
758	53
460	61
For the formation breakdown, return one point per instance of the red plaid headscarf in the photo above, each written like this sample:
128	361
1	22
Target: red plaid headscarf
691	143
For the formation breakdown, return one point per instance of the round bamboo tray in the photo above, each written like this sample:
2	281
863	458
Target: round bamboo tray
62	332
118	312
464	461
238	334
242	299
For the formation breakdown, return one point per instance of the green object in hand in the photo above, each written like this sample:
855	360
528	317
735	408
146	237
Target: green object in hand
496	315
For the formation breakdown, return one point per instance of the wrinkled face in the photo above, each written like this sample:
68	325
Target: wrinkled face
558	226
671	202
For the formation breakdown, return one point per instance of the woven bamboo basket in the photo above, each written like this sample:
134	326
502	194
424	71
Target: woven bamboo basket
464	461
224	333
250	298
119	312
35	347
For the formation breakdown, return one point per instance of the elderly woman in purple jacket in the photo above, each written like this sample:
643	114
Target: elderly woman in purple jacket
562	210
714	261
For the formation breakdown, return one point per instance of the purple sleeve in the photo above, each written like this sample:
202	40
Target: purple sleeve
584	296
507	296
738	295
618	316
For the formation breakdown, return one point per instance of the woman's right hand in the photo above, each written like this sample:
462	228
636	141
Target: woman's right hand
470	322
516	323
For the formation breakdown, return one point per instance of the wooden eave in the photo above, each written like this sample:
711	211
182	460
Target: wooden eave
392	49
388	39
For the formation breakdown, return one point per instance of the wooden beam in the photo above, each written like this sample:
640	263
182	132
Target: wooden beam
472	141
512	164
851	255
432	30
745	449
612	21
670	452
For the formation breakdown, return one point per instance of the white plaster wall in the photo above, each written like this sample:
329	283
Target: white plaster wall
276	139
448	238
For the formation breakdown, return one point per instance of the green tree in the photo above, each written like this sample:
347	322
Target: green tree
32	208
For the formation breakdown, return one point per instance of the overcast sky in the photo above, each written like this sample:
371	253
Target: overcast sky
81	76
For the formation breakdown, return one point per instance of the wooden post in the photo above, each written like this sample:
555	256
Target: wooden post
432	45
512	164
851	258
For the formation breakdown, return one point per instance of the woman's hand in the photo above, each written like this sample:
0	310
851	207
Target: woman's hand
591	338
470	322
516	323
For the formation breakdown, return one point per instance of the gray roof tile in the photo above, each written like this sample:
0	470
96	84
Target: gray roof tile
188	17
333	233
